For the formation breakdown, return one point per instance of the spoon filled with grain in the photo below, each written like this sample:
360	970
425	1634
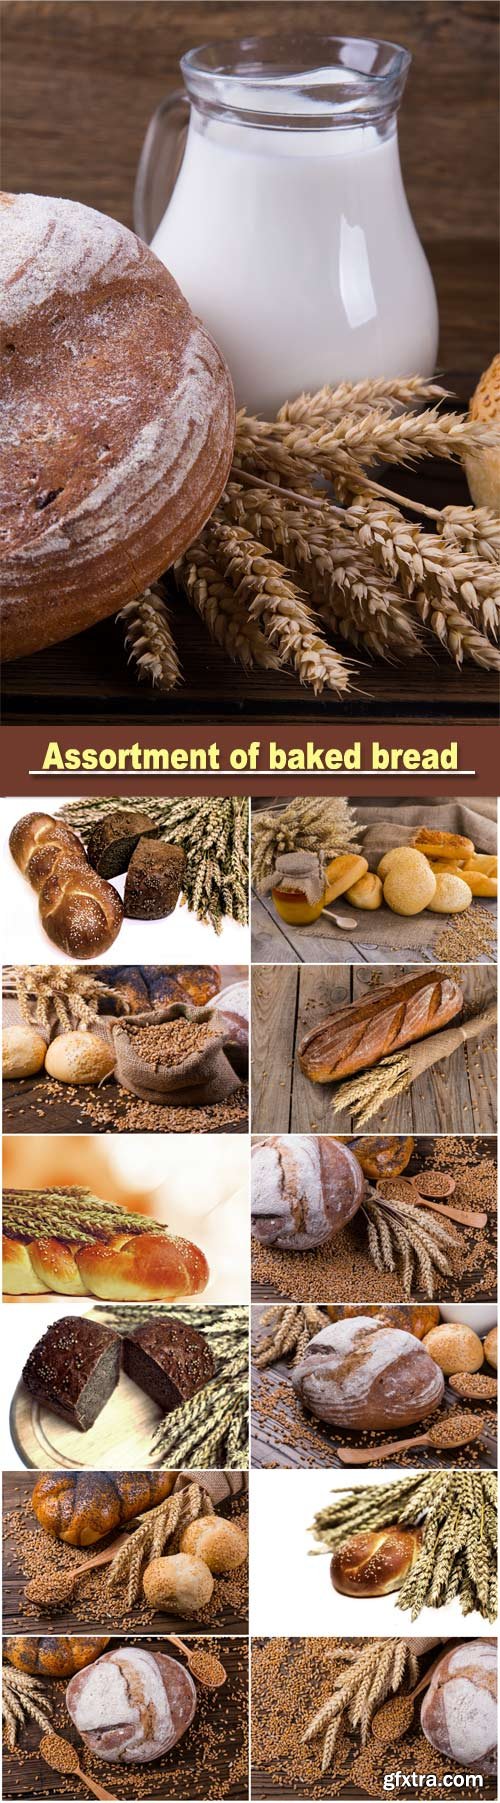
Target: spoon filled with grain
203	1666
54	1587
63	1757
457	1429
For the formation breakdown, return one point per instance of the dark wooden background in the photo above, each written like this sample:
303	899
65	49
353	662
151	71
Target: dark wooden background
81	80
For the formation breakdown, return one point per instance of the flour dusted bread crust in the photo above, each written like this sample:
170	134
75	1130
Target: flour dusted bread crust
304	1189
118	419
132	1705
360	1373
459	1710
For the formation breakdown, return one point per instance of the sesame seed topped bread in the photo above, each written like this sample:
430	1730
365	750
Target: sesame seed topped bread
118	420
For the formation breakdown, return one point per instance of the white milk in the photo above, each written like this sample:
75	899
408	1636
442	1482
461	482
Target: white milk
298	250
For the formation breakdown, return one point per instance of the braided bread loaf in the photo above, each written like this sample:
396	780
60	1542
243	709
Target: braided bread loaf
79	911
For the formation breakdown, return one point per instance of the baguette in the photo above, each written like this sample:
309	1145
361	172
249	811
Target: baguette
360	1034
79	911
82	1507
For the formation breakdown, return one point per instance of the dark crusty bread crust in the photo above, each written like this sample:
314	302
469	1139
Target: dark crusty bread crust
118	420
169	1360
360	1034
74	1368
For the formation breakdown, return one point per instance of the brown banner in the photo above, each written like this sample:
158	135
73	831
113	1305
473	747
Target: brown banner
250	758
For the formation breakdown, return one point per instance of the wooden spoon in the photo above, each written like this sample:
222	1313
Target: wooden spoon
197	1663
66	1581
467	1217
340	920
361	1455
76	1772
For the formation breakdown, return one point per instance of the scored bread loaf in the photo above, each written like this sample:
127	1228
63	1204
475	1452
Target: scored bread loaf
459	1710
358	1035
304	1189
79	911
132	1705
134	411
83	1507
359	1373
375	1561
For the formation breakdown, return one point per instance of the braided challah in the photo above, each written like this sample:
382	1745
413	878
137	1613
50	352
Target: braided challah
80	912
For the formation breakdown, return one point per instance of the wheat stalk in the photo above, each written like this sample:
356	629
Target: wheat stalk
160	1528
292	1326
71	1214
376	1670
149	640
388	393
326	827
370	1090
458	1514
48	996
213	833
23	1700
201	576
400	1237
273	600
211	1428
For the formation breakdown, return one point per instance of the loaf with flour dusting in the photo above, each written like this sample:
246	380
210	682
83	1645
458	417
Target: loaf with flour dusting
459	1710
118	419
304	1189
132	1705
360	1373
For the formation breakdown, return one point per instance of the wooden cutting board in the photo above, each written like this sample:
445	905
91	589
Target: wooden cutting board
119	1440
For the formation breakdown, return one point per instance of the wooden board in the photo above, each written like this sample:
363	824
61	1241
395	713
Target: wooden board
275	941
455	1096
456	1287
119	1440
209	1761
283	1434
73	1619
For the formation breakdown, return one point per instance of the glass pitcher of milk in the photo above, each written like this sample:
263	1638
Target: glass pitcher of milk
287	225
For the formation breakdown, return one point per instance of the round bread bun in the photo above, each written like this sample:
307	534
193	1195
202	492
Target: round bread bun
483	467
490	1345
451	895
79	1057
23	1051
409	883
367	893
118	419
454	1348
375	1561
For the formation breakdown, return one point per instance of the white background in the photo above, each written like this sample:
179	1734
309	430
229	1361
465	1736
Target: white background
180	939
291	1591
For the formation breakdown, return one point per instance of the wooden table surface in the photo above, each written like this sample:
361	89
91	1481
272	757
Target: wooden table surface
286	1435
17	1489
275	941
466	1283
456	1096
214	1740
88	677
268	1786
30	1107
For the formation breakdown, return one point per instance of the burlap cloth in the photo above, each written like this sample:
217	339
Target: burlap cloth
399	933
204	1076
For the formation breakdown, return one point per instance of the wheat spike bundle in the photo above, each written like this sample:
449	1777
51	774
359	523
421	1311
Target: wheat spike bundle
306	552
457	1511
326	827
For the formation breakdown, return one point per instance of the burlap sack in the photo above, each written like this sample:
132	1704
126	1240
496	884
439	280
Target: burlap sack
204	1076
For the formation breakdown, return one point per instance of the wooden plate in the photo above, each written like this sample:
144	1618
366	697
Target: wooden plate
120	1439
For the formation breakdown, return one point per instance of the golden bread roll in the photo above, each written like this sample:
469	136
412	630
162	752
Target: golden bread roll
484	861
439	865
386	861
441	845
375	1561
479	883
55	1261
342	872
19	1277
147	1268
483	467
367	892
490	1347
451	895
23	1051
409	883
82	1507
221	1544
454	1347
79	1057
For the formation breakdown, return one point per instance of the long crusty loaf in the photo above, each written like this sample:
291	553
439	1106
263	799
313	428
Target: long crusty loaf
80	912
360	1034
82	1507
118	419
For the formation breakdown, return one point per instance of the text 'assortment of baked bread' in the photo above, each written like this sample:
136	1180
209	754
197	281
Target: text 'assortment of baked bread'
135	420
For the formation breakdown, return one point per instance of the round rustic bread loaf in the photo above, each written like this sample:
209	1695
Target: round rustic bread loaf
459	1710
132	1705
304	1189
118	419
359	1373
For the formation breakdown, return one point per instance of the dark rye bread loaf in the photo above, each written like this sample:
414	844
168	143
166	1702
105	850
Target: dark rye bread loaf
154	880
114	839
74	1369
169	1360
118	420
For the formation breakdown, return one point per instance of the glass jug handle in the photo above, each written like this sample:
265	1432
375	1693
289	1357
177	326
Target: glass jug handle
159	163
